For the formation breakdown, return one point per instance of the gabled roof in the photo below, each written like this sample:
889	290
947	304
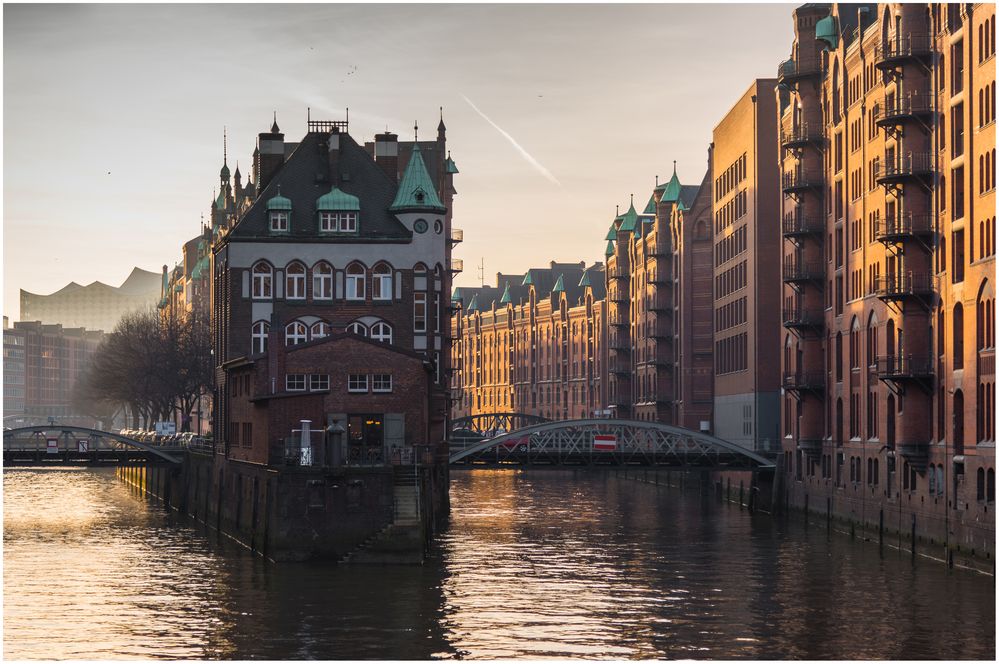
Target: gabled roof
416	190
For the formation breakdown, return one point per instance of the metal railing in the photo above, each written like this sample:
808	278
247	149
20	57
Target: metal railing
800	135
911	163
797	317
903	285
792	69
987	362
804	380
796	223
903	46
903	224
904	105
904	366
801	179
797	270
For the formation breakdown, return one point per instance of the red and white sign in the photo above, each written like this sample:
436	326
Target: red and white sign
606	442
82	444
52	445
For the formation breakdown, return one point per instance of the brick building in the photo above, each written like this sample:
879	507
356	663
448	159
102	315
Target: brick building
888	175
747	246
341	239
42	364
531	345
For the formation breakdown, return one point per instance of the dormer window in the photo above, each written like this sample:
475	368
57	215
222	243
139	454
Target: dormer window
338	212
279	213
279	221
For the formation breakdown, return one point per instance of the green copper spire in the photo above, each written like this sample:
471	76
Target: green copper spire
449	165
672	192
559	285
650	207
610	249
584	281
474	304
630	218
528	279
506	299
416	190
612	233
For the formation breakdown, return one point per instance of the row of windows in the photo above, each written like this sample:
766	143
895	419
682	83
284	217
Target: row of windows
730	315
987	171
731	354
297	332
731	177
732	211
730	280
987	104
359	383
730	247
235	431
329	222
987	39
357	277
316	382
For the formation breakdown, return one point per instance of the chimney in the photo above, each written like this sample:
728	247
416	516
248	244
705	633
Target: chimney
333	153
387	154
270	157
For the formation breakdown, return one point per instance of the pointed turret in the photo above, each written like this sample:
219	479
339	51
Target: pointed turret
506	299
274	126
672	192
584	281
629	220
416	190
559	285
473	305
224	173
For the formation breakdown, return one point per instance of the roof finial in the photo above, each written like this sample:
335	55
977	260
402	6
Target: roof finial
657	180
225	145
617	210
674	167
633	199
416	132
274	127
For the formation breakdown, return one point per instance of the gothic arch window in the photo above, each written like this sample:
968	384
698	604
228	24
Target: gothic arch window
381	282
295	333
319	330
263	281
958	332
259	334
322	281
295	281
357	328
356	278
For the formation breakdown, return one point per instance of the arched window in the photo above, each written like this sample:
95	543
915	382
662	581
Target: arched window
294	333
381	282
357	328
259	334
958	422
322	281
382	331
263	277
319	330
940	480
872	339
355	282
295	281
980	495
990	486
958	331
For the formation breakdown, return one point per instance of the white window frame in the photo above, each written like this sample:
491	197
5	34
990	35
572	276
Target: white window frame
294	382
356	282
279	221
381	383
381	282
295	281
347	222
295	333
357	383
322	281
319	330
263	281
381	331
419	318
259	333
357	328
328	221
319	382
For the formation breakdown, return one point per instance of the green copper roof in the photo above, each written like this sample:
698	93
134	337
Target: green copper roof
456	295
584	281
279	202
416	190
612	233
338	200
474	304
220	201
506	299
826	30
650	207
199	267
610	249
528	279
449	165
559	285
672	192
179	288
629	219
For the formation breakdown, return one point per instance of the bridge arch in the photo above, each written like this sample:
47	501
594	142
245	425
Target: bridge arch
10	434
625	442
484	422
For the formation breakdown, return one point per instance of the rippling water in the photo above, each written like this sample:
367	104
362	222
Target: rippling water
534	565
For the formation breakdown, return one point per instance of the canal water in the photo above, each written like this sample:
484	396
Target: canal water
533	565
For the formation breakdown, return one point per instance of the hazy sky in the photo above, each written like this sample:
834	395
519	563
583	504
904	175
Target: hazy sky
113	115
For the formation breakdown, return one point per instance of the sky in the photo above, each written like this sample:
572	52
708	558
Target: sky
113	115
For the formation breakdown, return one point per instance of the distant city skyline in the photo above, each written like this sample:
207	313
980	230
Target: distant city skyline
555	115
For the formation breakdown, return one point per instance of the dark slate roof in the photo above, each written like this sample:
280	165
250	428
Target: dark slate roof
688	193
305	177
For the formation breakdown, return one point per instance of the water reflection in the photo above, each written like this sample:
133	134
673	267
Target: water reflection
533	565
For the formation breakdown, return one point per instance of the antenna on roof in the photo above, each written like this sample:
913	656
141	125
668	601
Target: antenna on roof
482	272
346	117
225	145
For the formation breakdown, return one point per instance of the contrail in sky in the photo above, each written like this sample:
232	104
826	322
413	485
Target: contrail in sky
531	160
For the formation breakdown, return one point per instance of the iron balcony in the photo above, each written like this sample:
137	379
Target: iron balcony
791	71
659	248
618	295
986	364
903	226
618	272
796	271
621	367
618	321
660	279
904	367
797	181
905	107
894	287
904	167
917	453
660	303
903	48
796	318
620	345
799	381
797	224
800	136
660	330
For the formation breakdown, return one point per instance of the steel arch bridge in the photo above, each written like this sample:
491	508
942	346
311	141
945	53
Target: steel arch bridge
73	444
488	422
611	443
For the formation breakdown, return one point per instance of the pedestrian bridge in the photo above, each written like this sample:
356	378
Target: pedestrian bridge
57	444
607	442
